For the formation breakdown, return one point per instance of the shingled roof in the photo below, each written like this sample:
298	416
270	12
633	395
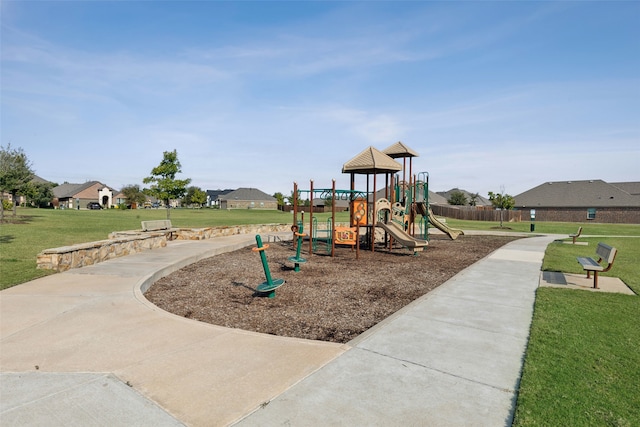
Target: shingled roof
371	160
217	194
247	194
66	190
632	188
588	194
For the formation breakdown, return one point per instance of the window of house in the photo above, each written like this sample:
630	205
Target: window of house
591	213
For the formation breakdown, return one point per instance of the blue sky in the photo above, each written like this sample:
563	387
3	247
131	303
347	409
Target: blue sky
492	95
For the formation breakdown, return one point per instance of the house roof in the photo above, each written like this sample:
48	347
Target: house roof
371	160
632	188
588	194
480	201
66	190
215	194
318	201
39	180
247	194
437	199
399	149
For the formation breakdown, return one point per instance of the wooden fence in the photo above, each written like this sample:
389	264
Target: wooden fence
477	213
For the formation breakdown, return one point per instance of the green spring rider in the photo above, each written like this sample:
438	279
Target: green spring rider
297	260
269	287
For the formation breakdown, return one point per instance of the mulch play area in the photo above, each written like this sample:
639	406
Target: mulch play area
329	299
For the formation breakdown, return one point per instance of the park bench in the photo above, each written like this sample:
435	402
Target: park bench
159	225
576	235
604	253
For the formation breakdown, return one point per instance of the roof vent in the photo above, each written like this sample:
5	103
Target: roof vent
568	182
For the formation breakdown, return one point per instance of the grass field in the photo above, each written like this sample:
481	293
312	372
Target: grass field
582	366
588	228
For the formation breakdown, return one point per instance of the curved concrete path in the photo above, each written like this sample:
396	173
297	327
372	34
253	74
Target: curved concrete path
84	347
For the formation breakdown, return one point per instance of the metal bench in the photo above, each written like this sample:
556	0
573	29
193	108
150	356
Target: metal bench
605	253
576	235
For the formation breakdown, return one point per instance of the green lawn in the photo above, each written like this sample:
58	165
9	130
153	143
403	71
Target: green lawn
40	229
588	228
582	366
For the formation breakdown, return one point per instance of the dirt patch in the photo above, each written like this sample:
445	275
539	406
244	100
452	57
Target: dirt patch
329	299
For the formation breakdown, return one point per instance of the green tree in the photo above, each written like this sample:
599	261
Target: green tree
502	202
15	174
290	200
133	194
473	199
195	197
164	185
39	194
280	198
457	198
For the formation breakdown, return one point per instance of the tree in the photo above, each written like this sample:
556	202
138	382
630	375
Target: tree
134	195
473	199
290	199
15	174
164	185
457	198
502	202
280	198
195	196
39	194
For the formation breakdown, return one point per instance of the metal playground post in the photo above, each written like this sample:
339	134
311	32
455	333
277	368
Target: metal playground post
269	287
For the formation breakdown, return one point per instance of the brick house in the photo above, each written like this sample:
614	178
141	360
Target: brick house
247	198
213	196
580	201
76	196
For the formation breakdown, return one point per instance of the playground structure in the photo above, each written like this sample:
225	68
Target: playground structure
395	215
298	231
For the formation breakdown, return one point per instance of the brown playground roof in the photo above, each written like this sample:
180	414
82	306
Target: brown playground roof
399	149
371	160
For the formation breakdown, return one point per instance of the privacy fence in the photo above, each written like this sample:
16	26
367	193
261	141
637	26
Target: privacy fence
478	213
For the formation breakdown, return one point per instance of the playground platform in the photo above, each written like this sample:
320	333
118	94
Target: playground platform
84	347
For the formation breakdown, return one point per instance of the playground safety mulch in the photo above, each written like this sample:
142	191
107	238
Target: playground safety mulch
329	299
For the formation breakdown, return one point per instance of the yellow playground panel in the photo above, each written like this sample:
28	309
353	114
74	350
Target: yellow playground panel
346	236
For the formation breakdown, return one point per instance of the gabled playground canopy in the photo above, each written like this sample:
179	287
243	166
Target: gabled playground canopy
371	161
399	149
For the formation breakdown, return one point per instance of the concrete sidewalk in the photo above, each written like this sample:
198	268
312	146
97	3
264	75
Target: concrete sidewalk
85	348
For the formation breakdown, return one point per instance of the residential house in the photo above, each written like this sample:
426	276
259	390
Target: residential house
213	197
247	198
579	201
76	196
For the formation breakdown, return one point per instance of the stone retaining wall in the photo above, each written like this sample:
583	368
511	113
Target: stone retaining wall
123	243
83	254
